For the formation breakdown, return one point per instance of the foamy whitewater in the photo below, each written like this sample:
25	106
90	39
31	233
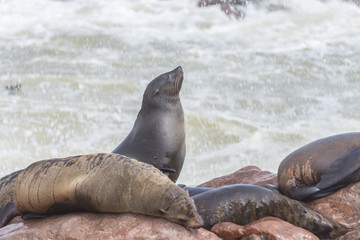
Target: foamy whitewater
254	89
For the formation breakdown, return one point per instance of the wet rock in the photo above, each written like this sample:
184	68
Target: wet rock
12	89
228	230
265	228
350	235
101	226
342	208
234	8
247	175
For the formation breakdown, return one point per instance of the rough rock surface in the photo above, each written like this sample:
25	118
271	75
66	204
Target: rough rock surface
265	228
350	235
247	175
101	226
342	208
228	230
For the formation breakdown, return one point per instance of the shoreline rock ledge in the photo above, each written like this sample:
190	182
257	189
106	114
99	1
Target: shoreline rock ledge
342	208
93	226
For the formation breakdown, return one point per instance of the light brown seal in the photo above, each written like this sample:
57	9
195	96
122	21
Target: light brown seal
102	183
321	167
243	203
158	135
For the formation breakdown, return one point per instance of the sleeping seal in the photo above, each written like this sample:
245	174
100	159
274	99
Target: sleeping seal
243	203
101	182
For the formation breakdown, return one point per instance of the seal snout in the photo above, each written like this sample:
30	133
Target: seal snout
199	220
178	76
178	69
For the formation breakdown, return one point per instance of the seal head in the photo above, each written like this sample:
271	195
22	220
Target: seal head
158	135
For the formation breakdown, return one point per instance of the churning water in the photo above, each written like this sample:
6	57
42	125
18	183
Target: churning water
254	89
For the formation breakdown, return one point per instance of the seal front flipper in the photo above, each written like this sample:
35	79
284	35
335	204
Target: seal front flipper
305	193
343	171
56	208
7	213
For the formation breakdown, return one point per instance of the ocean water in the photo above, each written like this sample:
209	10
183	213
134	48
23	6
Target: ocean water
254	89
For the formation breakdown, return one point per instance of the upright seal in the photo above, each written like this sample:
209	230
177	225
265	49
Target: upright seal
321	167
158	135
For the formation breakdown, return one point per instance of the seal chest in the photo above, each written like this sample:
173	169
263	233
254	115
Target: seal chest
158	135
102	183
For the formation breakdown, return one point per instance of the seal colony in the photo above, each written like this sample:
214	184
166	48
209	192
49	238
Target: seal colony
321	167
101	182
158	135
131	178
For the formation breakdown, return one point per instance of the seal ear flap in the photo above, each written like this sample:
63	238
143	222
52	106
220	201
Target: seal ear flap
156	91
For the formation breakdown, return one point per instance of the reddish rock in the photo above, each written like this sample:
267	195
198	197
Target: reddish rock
101	226
350	235
228	230
342	208
265	228
247	175
274	228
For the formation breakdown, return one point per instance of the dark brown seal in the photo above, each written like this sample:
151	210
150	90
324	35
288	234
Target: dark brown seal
321	167
102	183
243	203
158	135
7	207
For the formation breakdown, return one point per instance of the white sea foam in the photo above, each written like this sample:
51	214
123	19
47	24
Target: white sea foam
254	90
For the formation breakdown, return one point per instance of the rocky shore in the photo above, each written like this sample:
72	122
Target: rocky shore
341	208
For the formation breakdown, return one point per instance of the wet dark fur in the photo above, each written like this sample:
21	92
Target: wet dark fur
242	204
158	135
321	167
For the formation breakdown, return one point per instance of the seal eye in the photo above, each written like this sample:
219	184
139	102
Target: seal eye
167	78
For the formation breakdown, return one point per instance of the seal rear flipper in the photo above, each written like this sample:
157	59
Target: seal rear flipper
341	172
167	170
30	215
56	208
7	213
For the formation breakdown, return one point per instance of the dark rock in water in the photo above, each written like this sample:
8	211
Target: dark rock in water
265	228
12	89
234	8
205	3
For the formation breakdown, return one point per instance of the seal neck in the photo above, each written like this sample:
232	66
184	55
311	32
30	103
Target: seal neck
165	103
